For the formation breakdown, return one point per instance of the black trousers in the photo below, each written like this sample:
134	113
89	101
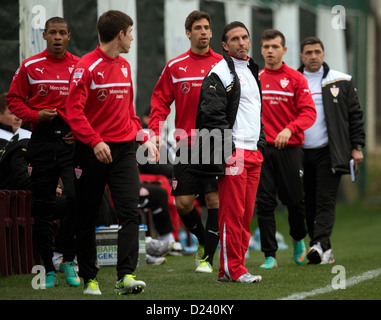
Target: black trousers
321	187
157	201
282	176
123	180
51	158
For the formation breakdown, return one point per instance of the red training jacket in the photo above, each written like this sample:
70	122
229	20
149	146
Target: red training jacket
41	82
287	103
100	104
181	82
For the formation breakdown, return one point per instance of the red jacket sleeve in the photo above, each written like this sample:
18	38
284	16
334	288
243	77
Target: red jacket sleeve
141	136
162	98
305	106
75	105
17	96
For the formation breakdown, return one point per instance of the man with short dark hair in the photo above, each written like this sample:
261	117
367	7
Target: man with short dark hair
101	113
181	82
288	110
38	95
336	137
230	103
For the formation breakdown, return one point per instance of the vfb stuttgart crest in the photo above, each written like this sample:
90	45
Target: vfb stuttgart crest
284	83
335	91
125	72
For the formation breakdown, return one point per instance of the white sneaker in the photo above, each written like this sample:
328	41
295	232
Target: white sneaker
92	287
204	267
315	254
248	278
328	257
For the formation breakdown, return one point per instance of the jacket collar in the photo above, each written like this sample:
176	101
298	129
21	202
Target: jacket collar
201	56
325	66
52	58
252	65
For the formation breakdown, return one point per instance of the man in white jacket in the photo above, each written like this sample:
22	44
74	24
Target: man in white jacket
230	101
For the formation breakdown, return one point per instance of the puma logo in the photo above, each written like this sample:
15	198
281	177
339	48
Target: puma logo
41	70
216	233
213	87
101	74
184	69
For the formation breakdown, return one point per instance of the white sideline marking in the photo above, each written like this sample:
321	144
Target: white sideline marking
350	282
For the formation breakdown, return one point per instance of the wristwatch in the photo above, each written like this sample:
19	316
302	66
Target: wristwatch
358	147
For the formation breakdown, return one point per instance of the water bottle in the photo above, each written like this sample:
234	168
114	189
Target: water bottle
142	245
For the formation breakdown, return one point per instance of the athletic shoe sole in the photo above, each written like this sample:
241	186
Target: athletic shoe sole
131	286
133	290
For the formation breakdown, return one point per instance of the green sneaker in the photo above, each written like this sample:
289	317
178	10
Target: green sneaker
68	268
299	251
92	287
270	263
51	280
199	254
204	267
128	284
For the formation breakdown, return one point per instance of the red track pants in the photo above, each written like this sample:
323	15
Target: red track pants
237	191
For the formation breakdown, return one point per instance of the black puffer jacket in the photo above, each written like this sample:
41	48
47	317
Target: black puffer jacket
217	111
344	117
13	166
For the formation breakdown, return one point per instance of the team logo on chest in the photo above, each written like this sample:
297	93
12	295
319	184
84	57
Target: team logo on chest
335	91
78	172
125	72
284	83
